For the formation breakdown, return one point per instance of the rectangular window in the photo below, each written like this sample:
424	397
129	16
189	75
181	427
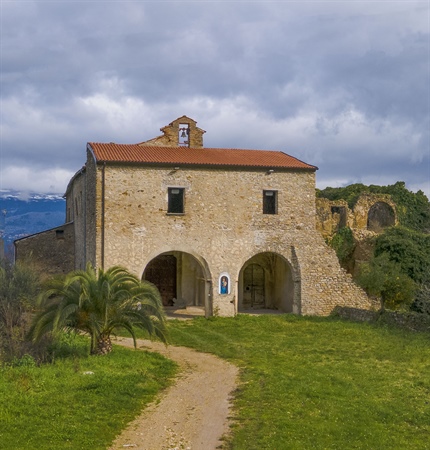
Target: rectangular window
270	202
175	200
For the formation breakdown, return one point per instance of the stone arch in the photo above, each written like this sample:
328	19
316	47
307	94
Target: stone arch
374	212
182	278
268	280
380	215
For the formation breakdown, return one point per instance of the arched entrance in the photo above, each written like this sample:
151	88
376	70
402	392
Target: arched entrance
266	282
181	279
380	215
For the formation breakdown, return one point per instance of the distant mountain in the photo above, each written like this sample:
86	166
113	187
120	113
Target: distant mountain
22	215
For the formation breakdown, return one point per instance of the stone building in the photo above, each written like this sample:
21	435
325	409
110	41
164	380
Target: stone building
224	230
51	251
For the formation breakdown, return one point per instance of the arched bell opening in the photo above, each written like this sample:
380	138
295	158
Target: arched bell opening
266	282
181	279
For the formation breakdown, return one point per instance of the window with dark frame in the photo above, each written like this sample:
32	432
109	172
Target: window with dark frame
175	204
270	202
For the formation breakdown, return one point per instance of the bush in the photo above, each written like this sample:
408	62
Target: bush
343	243
19	287
421	303
68	344
410	249
25	361
384	279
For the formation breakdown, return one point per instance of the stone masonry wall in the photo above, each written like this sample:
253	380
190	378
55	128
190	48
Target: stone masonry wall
407	320
335	214
363	206
323	278
328	222
223	226
52	252
76	208
171	132
83	208
92	238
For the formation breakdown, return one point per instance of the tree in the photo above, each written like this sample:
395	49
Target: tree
383	278
408	248
99	303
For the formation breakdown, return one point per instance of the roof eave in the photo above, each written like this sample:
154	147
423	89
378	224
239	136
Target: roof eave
206	165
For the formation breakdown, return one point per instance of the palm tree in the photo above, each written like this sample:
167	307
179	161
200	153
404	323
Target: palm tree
98	303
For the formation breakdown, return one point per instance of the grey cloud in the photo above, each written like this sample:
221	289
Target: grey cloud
331	83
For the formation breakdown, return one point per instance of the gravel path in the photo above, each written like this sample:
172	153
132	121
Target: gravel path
191	414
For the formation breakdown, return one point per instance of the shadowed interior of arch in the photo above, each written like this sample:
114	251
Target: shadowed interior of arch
381	215
179	277
266	283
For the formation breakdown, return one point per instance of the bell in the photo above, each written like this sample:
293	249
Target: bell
183	135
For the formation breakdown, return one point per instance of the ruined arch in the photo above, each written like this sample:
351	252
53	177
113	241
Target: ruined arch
182	278
374	212
269	281
380	215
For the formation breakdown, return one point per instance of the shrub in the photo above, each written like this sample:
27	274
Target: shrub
19	287
410	249
383	278
25	361
343	243
421	303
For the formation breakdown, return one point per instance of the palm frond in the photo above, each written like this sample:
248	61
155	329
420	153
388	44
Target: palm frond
100	302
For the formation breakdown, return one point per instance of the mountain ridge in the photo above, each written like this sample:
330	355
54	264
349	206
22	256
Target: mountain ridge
24	214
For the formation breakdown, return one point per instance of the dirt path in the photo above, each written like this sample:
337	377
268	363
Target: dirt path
191	414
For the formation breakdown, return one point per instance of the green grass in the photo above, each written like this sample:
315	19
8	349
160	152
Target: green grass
305	383
315	383
60	406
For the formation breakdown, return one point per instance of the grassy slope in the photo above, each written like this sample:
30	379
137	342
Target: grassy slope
60	407
321	383
305	383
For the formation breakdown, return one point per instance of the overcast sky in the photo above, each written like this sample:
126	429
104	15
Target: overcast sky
343	85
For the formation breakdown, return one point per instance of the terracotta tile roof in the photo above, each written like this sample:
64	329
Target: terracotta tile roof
152	155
